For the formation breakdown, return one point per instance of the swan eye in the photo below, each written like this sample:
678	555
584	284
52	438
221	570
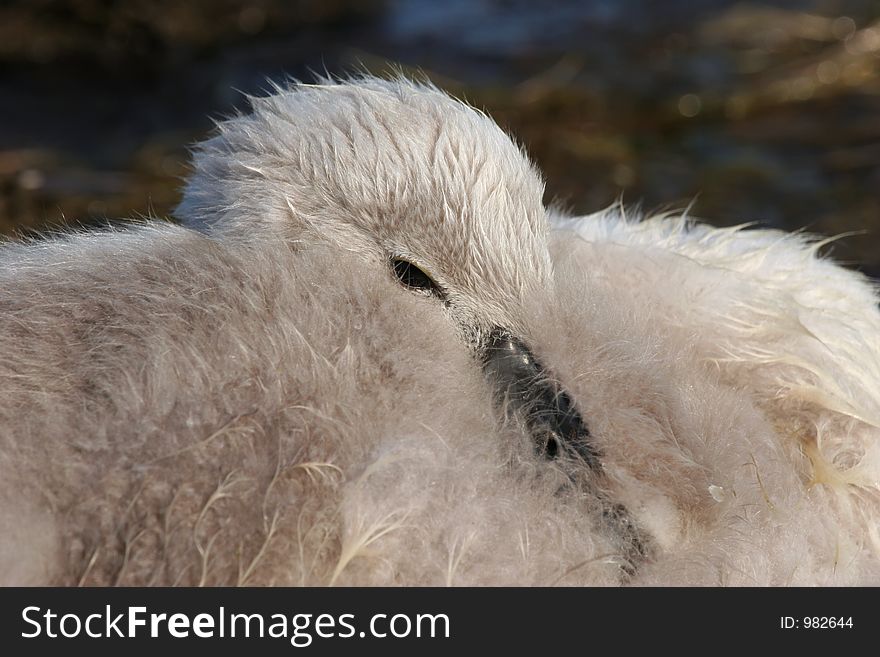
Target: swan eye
414	278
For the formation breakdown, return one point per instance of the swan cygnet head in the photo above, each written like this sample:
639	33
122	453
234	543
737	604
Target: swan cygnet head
416	183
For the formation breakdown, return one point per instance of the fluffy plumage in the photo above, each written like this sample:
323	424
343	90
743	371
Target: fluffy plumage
253	398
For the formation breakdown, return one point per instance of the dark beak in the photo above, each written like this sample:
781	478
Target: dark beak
527	391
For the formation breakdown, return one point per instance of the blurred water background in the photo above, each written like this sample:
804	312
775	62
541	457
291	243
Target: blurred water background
764	112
